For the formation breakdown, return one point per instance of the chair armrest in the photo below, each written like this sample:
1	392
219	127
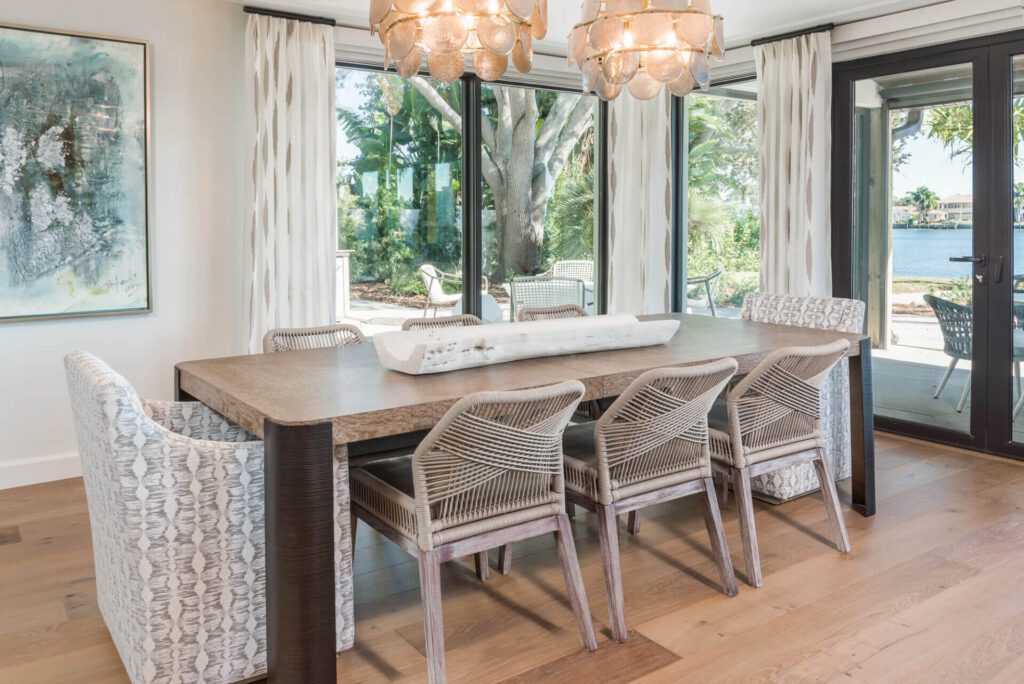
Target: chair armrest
196	421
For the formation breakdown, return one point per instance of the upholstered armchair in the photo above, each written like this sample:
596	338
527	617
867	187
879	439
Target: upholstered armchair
175	495
822	313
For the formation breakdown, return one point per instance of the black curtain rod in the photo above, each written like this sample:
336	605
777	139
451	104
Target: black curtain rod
792	34
289	15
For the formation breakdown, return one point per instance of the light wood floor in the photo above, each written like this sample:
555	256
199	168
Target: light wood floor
933	592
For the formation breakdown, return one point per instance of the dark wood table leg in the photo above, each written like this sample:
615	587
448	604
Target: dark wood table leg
300	554
862	429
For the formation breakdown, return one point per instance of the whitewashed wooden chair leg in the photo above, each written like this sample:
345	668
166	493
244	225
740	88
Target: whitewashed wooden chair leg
748	531
574	582
505	559
433	622
831	497
483	566
354	523
633	526
608	532
716	532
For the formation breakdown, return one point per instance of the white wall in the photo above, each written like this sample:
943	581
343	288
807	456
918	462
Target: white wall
197	151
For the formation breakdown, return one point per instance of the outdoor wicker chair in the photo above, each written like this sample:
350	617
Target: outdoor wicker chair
579	269
463	321
956	322
542	292
434	279
773	421
551	313
490	473
650	446
302	339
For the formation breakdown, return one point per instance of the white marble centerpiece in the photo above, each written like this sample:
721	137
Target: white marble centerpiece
448	349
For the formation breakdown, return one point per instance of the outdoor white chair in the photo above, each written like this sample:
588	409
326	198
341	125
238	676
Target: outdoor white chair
463	321
434	279
577	269
773	421
175	494
303	339
489	473
542	292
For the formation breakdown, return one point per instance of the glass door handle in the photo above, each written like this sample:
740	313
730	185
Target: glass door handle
976	260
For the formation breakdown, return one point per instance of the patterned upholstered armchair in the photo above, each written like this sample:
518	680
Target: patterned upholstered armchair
823	313
175	497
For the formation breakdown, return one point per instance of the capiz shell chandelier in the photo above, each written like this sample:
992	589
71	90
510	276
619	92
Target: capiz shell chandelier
446	32
646	44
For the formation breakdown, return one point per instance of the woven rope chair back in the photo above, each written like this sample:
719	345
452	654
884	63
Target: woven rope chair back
301	339
821	313
957	325
551	313
779	402
463	321
578	269
542	292
493	453
659	425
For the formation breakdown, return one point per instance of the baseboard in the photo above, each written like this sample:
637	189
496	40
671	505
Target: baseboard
29	471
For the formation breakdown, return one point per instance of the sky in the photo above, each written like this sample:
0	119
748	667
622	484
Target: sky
929	165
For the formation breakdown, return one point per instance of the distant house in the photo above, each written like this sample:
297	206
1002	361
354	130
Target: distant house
937	216
902	213
957	208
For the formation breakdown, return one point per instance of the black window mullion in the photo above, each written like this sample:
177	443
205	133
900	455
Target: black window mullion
680	188
472	196
603	208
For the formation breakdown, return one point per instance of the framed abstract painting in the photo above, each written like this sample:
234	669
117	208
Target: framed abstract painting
74	175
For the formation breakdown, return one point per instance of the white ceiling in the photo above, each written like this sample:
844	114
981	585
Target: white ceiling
744	19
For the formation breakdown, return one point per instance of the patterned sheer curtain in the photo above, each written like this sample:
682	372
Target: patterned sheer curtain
291	221
795	129
640	181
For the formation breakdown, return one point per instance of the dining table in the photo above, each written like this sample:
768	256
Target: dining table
312	408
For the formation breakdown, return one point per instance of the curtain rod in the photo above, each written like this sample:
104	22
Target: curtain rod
248	9
792	34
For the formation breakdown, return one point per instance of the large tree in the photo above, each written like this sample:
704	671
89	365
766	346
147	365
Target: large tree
528	136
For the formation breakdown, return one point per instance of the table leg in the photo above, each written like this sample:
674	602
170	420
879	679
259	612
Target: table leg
862	429
299	485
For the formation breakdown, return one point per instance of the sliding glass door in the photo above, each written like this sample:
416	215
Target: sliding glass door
928	229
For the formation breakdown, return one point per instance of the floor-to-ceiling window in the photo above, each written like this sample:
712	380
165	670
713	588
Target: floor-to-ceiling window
399	200
401	193
539	198
723	226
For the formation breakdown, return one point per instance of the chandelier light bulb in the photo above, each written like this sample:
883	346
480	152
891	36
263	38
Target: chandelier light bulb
447	33
646	45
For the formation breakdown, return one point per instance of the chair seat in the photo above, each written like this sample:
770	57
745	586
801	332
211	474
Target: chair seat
445	299
582	472
385	488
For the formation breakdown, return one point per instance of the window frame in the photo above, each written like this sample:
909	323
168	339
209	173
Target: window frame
678	228
472	180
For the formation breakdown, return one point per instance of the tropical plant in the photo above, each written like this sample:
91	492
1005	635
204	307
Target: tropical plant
924	199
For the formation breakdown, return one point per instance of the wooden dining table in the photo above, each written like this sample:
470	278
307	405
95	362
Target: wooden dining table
312	407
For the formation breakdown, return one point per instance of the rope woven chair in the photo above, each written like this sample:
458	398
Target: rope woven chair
303	339
649	447
490	473
774	421
461	321
542	292
552	313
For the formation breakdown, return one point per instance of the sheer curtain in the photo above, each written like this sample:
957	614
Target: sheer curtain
640	182
795	129
291	209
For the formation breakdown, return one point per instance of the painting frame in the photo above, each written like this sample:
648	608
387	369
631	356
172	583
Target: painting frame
147	169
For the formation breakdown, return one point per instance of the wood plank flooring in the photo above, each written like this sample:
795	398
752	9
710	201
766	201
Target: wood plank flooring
933	592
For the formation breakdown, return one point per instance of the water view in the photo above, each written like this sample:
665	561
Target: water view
925	253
